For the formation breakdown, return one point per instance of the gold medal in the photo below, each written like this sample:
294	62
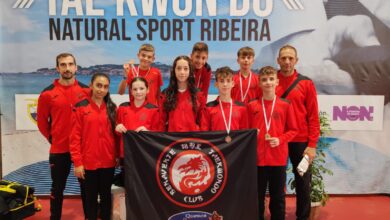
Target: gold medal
267	136
228	139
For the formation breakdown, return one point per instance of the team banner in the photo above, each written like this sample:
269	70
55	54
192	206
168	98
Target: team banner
195	175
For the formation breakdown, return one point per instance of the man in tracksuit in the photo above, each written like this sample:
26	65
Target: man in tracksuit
55	105
303	97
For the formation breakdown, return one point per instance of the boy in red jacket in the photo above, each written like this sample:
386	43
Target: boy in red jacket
275	121
145	70
202	70
224	113
245	81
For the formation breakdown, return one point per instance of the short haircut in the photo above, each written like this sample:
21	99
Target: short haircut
62	55
146	47
287	46
200	47
267	70
223	72
245	51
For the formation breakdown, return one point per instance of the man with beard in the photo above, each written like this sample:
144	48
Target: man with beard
55	106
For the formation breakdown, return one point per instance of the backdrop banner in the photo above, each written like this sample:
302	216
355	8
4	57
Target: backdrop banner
342	45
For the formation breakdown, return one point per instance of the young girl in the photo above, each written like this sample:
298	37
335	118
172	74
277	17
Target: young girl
139	115
93	146
181	100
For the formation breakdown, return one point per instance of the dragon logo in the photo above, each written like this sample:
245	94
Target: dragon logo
191	172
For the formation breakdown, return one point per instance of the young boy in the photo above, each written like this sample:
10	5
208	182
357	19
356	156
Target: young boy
245	82
151	74
275	121
224	114
199	56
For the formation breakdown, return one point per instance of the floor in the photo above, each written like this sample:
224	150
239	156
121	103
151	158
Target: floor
338	207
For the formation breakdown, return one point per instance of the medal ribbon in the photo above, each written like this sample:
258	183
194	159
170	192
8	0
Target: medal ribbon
247	89
227	126
268	123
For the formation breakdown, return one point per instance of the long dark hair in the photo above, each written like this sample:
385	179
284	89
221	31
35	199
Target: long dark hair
110	105
172	89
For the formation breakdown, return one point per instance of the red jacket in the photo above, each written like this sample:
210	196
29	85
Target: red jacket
154	78
212	119
253	92
92	139
283	126
304	100
133	117
202	79
182	118
55	105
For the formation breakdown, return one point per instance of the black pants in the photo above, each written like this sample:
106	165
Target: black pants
59	169
275	178
98	182
303	183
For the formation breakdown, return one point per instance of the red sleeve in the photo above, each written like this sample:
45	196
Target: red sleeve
75	138
162	122
160	83
244	123
291	128
312	115
205	120
156	124
44	115
207	78
202	105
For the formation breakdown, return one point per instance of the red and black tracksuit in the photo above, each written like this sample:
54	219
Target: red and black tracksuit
55	105
133	117
182	118
272	161
212	119
154	79
304	100
93	146
203	78
253	92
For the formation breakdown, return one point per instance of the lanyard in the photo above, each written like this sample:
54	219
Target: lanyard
227	125
268	123
247	89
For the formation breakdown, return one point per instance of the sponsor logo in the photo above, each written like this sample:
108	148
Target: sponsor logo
191	172
353	113
32	105
196	215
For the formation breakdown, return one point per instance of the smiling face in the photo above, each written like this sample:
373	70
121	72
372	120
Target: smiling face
268	82
66	67
199	59
139	90
224	84
146	58
99	87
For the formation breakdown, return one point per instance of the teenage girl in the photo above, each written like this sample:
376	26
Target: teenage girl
93	146
181	101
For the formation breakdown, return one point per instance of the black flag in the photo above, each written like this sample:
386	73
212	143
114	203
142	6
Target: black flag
195	175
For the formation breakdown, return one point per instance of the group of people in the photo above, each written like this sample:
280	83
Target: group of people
84	126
